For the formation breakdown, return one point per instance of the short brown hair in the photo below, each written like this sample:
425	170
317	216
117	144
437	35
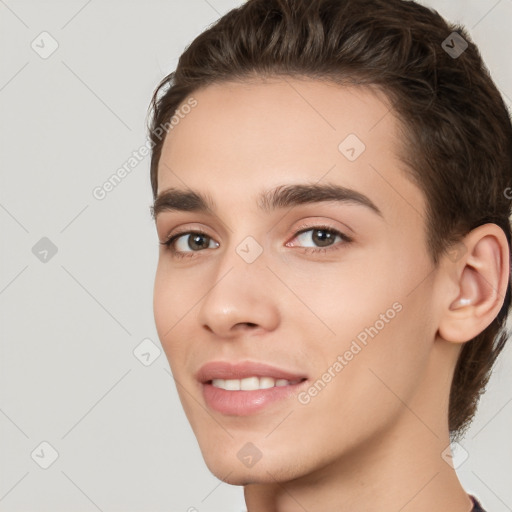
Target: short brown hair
457	130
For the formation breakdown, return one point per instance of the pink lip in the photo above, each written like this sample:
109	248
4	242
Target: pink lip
243	403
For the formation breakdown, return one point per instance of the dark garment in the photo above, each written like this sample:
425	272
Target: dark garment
477	507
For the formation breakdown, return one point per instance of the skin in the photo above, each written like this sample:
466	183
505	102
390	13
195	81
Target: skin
372	439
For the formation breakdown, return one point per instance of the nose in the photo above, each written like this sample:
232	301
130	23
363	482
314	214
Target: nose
238	300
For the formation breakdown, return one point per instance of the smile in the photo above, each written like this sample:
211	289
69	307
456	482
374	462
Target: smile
244	388
251	383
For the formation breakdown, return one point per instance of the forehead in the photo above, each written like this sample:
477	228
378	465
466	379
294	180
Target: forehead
281	111
263	133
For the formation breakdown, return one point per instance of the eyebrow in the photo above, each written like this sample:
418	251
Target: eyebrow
283	196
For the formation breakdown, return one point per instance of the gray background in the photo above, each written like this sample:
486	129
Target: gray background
70	324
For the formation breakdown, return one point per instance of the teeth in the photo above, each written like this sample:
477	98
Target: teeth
250	383
232	385
267	382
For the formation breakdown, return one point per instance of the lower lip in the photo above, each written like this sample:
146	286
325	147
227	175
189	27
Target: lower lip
243	403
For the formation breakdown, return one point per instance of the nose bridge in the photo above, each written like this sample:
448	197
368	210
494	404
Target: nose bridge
238	293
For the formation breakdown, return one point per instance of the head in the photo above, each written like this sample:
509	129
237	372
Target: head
358	98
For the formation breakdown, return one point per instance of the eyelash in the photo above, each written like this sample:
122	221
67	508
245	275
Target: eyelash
303	229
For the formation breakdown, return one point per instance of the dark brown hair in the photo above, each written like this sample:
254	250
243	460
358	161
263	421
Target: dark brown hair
456	128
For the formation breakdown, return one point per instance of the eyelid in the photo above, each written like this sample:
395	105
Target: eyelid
185	230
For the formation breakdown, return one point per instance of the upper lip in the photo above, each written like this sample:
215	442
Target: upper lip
226	370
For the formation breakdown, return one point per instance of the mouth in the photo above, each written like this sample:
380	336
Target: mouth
251	383
246	388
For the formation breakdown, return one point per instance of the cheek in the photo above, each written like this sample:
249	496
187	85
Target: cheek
169	302
163	305
173	294
176	297
382	339
370	382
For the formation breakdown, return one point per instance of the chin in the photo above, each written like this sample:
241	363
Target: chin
245	476
273	467
226	466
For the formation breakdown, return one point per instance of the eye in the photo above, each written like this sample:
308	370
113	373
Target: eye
192	241
313	239
319	237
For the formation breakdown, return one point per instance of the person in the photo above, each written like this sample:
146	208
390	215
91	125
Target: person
332	184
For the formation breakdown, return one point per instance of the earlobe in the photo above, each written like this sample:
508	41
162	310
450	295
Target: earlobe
482	276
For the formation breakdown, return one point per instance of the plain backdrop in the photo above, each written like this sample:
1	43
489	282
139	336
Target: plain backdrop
76	272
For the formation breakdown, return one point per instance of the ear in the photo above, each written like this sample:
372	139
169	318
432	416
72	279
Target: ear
477	274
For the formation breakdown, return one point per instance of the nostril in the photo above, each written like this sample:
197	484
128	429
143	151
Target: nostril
246	324
240	326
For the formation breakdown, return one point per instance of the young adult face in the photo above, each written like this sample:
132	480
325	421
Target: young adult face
298	286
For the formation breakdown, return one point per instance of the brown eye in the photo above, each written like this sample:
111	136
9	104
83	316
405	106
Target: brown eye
322	237
319	237
190	242
198	241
